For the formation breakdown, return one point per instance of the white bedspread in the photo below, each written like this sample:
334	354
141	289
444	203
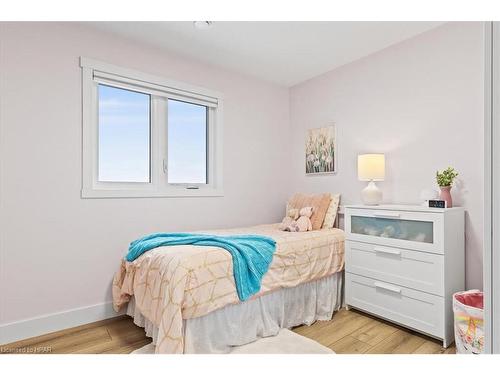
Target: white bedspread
240	324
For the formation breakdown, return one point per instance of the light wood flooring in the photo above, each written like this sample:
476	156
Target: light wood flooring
353	332
348	332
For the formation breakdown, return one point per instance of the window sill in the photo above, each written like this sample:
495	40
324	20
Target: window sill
173	193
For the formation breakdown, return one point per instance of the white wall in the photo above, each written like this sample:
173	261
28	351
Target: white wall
59	251
421	103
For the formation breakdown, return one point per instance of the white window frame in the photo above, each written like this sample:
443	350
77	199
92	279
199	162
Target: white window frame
160	89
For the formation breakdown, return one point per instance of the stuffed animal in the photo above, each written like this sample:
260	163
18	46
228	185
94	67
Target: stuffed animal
302	224
304	221
291	215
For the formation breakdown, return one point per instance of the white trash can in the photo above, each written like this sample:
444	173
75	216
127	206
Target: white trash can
469	321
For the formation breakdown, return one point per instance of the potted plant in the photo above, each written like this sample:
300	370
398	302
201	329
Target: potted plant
445	180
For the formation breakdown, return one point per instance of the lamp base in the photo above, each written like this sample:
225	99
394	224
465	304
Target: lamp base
371	194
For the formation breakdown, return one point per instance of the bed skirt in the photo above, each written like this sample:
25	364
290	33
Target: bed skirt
248	321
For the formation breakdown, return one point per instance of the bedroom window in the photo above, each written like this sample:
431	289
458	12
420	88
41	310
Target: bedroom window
187	142
124	135
144	136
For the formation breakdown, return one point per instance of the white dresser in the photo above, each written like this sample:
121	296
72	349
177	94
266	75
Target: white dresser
403	263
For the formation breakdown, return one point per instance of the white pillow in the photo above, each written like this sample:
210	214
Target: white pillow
331	213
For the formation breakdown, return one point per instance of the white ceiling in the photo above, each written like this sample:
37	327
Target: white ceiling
286	53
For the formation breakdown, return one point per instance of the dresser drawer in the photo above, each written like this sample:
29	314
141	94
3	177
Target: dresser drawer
410	268
415	309
411	230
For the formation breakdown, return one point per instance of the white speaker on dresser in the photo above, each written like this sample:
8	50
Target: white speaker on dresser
403	264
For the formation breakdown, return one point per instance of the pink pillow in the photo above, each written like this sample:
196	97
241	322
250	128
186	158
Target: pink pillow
319	203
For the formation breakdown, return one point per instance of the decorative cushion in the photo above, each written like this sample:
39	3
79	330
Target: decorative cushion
331	213
319	203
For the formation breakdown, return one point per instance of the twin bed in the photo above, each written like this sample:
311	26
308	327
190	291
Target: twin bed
185	296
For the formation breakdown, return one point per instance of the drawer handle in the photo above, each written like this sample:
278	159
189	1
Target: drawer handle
387	287
385	250
393	215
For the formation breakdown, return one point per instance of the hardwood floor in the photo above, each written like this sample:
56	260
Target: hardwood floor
348	332
353	332
117	335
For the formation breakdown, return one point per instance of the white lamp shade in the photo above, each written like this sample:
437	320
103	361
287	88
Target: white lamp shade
371	167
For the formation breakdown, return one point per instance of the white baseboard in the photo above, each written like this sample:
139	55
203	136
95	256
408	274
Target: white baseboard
44	324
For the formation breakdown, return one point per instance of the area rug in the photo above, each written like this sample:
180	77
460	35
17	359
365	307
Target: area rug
286	342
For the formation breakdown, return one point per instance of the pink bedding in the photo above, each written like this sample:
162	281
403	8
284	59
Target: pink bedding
182	282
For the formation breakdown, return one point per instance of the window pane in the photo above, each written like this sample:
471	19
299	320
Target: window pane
124	132
187	143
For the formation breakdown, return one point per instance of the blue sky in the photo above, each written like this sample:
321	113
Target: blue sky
123	135
124	140
187	142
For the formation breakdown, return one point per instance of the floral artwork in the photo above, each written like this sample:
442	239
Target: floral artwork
320	150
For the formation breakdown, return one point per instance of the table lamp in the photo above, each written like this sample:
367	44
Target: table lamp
371	167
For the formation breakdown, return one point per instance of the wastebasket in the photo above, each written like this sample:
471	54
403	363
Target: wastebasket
469	323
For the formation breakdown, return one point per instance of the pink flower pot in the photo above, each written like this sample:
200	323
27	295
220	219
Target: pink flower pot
446	195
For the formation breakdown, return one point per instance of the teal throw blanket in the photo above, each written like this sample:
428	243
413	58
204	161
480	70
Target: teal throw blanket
252	254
